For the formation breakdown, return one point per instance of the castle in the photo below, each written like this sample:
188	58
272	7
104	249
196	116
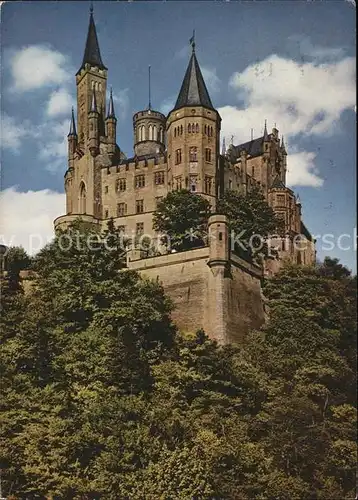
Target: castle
178	151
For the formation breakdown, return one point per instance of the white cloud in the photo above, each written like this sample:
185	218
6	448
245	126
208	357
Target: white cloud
307	98
54	150
27	217
12	133
37	66
302	171
60	103
301	99
211	79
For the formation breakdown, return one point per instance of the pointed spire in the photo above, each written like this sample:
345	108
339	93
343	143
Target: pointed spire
193	91
111	113
93	108
265	132
72	131
298	200
92	54
283	148
223	150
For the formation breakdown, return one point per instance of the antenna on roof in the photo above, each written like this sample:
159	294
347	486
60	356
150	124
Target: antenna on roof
149	104
91	8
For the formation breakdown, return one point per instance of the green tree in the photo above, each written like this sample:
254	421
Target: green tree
250	218
182	218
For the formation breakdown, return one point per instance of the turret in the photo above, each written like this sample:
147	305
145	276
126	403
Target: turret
72	141
243	158
93	121
92	74
111	126
266	141
193	135
223	148
149	129
218	231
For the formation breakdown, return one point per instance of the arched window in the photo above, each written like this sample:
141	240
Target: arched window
206	130
181	129
82	198
175	132
143	133
193	153
150	132
197	128
155	133
189	128
161	138
100	86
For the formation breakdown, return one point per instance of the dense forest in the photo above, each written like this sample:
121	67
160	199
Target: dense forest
102	397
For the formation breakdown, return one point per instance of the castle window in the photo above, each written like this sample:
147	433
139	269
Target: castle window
179	183
205	130
106	189
150	132
121	209
161	136
178	156
139	206
193	153
139	228
266	147
121	185
208	154
230	184
82	198
207	184
155	133
139	181
159	178
181	129
193	181
189	128
280	199
106	214
175	132
197	128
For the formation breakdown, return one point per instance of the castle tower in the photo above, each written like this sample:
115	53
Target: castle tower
193	135
92	76
149	129
111	127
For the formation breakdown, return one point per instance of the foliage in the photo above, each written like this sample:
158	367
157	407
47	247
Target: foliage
104	399
251	220
182	217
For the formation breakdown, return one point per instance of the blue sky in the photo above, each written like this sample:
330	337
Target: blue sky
292	63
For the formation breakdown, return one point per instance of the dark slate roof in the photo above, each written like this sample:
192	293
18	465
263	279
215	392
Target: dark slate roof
278	184
253	148
306	232
193	91
92	53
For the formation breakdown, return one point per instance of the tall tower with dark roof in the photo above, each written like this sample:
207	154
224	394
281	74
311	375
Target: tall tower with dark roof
193	134
91	76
